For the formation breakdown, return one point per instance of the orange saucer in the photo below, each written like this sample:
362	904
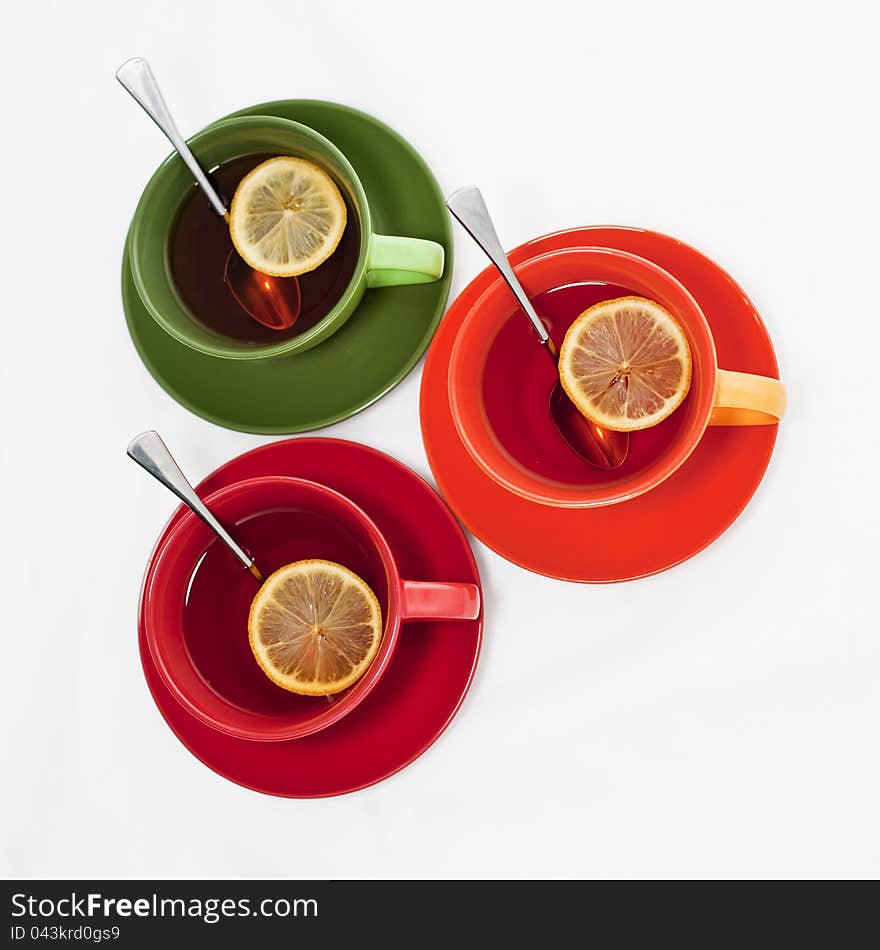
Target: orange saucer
650	533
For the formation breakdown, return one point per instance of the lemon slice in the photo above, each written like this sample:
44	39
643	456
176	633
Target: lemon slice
314	627
287	217
625	363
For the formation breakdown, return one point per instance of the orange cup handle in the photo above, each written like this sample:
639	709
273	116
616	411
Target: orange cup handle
743	399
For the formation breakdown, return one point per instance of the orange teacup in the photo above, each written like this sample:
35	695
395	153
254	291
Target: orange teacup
495	360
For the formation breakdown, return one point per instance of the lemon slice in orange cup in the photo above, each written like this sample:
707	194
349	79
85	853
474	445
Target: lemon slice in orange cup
625	363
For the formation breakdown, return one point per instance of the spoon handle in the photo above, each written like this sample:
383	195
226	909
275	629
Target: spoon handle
468	206
151	453
138	79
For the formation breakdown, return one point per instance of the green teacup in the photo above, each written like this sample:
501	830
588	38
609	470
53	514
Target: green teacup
383	260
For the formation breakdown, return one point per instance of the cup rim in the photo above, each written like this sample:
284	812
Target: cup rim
156	634
255	351
469	354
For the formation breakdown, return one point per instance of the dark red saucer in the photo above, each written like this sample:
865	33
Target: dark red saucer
432	667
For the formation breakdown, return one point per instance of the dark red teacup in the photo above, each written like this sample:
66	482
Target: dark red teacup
196	600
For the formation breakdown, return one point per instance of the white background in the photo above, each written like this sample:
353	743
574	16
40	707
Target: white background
717	720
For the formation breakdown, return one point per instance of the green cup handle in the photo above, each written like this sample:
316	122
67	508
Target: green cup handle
393	261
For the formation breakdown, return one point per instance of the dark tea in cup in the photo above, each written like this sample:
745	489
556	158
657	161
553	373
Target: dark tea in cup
200	244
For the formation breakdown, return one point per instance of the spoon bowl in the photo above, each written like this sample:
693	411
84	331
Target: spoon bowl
273	301
601	447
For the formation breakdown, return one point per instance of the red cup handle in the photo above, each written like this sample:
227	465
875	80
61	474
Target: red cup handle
438	600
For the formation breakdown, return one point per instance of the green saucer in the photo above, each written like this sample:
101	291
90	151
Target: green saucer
371	353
